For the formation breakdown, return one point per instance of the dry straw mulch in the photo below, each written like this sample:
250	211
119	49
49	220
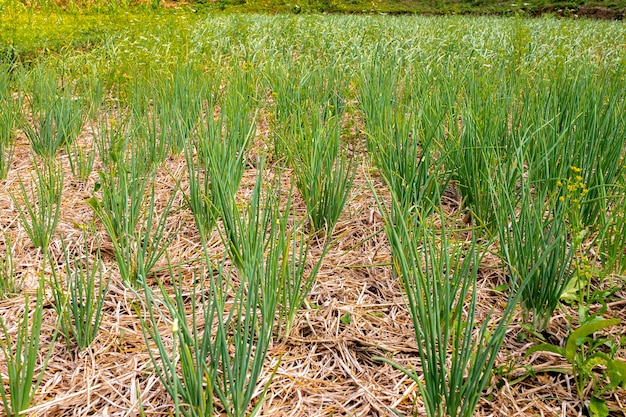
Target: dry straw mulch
325	368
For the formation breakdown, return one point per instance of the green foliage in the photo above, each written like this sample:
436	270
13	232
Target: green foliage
8	110
221	353
403	121
535	239
9	287
439	279
308	109
80	296
39	209
25	369
56	114
139	235
587	353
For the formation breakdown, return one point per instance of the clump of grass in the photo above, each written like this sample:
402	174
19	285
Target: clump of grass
39	209
79	297
25	369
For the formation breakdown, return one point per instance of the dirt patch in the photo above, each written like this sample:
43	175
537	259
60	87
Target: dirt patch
601	12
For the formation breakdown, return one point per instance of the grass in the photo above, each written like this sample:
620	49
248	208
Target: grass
222	144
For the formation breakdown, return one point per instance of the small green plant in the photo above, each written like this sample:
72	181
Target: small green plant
80	296
439	280
323	172
588	354
535	240
9	287
39	209
138	241
613	236
22	356
218	353
477	130
221	152
111	139
81	159
56	114
178	104
139	236
8	108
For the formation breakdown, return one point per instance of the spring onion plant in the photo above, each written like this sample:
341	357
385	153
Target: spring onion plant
295	278
579	122
407	160
112	139
439	279
139	235
478	131
536	242
218	352
300	89
613	237
81	159
404	132
8	108
80	294
323	172
217	156
25	367
9	287
308	108
178	104
39	209
56	114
